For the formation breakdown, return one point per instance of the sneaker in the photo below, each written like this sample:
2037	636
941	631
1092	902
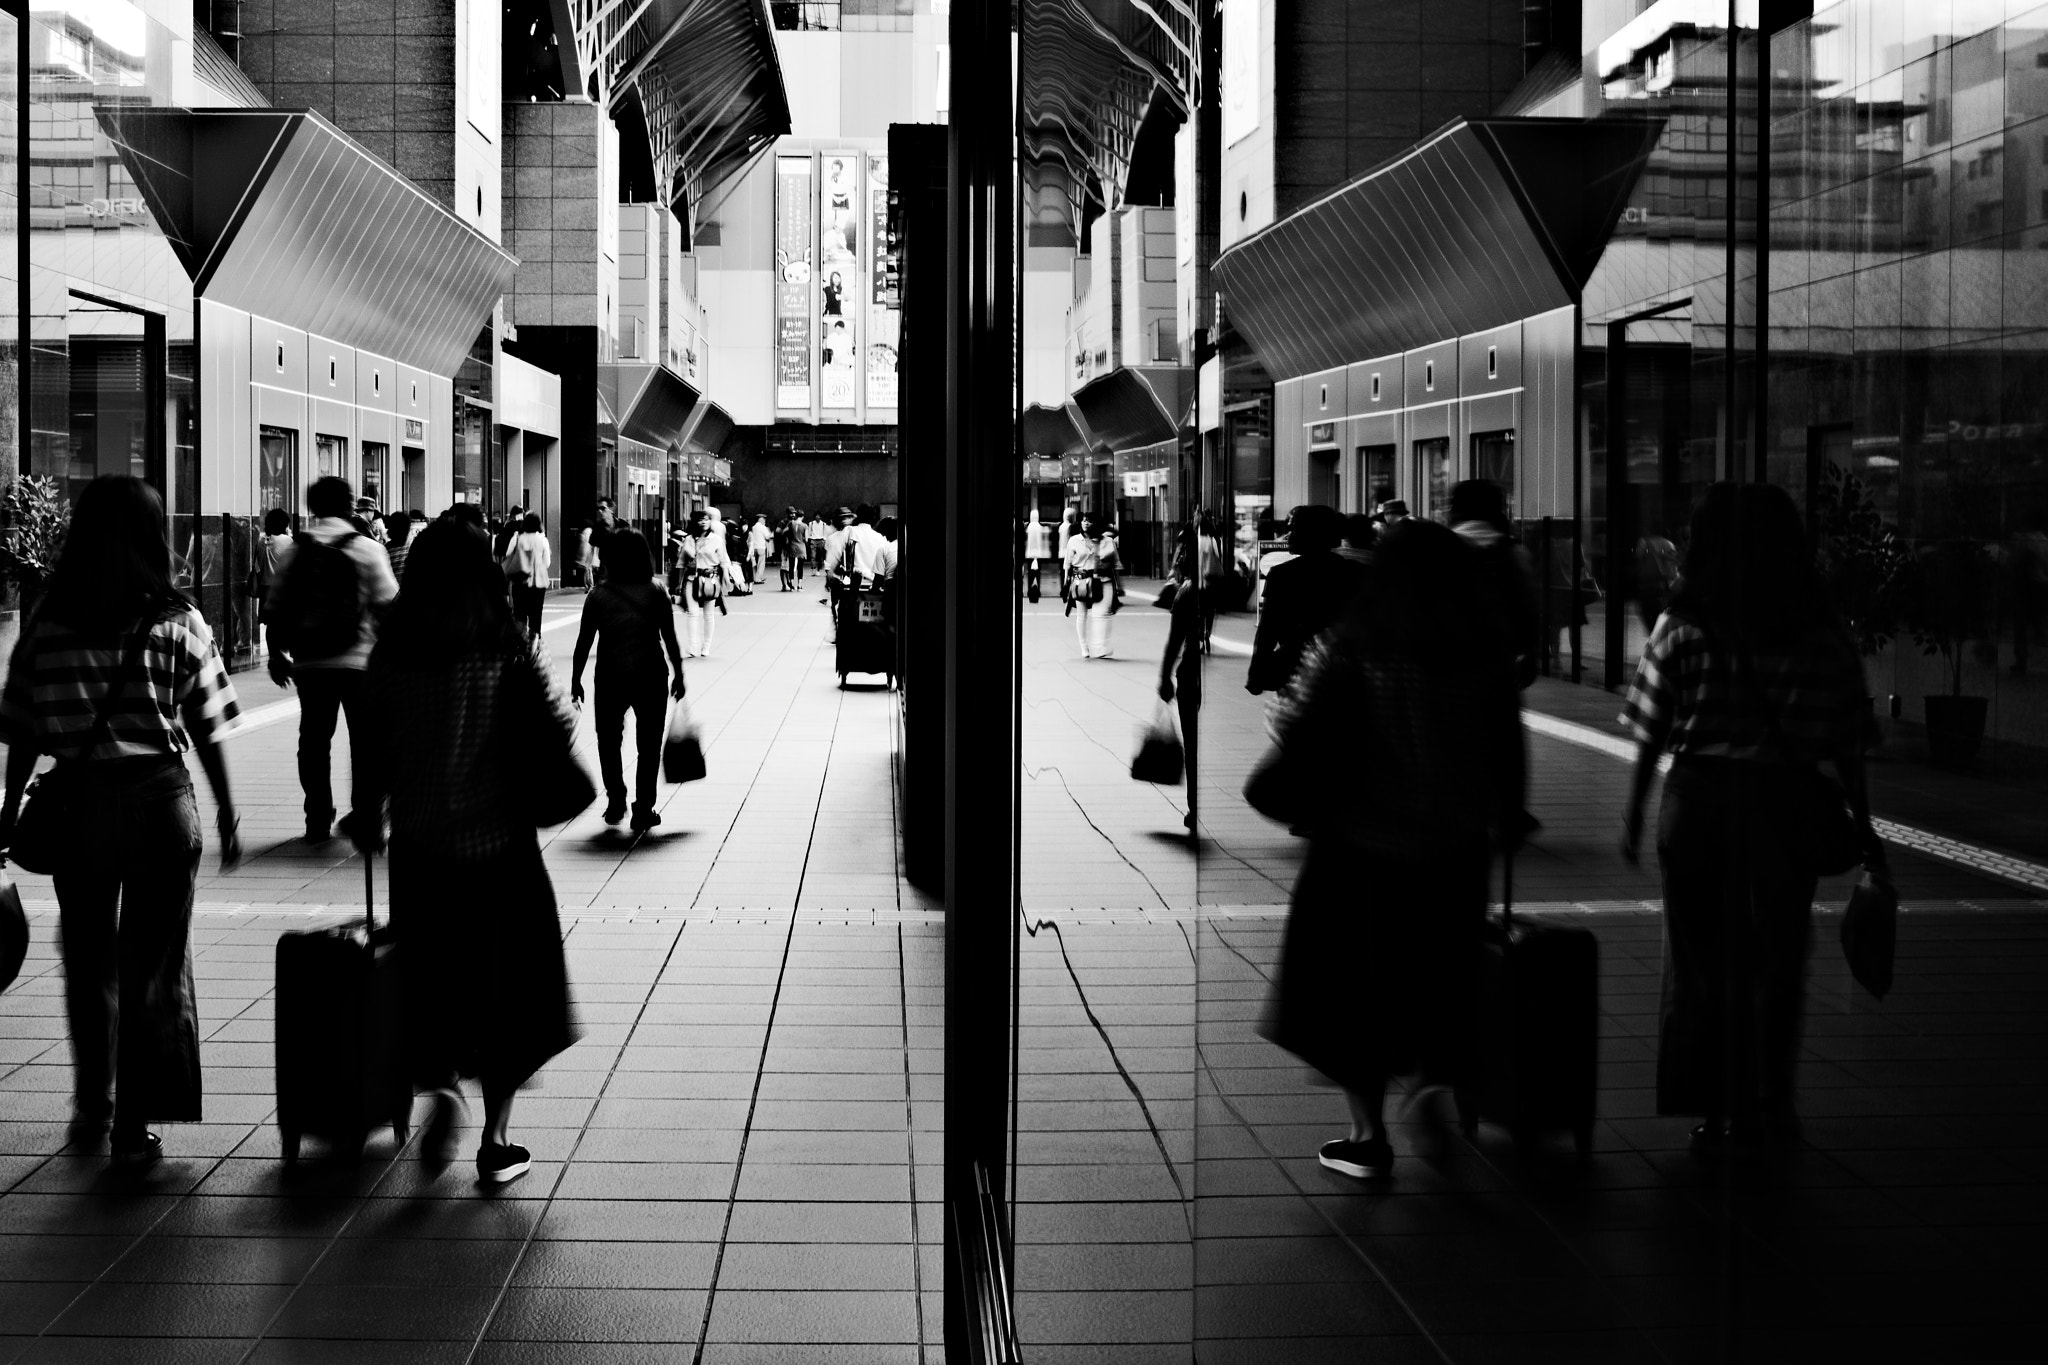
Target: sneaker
437	1144
501	1163
137	1149
615	811
644	820
1365	1160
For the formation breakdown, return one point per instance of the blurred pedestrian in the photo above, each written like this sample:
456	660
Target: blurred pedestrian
458	703
706	565
1303	597
760	543
1747	681
527	561
400	546
633	624
1359	535
115	677
1507	576
269	556
333	584
789	549
1400	769
1037	553
1180	670
602	528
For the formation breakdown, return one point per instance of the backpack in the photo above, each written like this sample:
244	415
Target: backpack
320	603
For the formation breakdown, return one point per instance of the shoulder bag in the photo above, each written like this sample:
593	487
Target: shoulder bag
561	785
47	828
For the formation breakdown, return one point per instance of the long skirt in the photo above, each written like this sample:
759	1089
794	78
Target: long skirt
484	981
1738	917
1379	966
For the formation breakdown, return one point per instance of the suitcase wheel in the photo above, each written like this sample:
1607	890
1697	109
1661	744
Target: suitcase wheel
290	1140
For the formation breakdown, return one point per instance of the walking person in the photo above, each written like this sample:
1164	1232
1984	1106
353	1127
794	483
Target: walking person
1093	584
458	702
333	585
789	547
1750	683
527	561
601	531
269	554
116	676
633	624
1037	550
815	531
706	564
1303	597
760	544
399	546
1180	670
1399	767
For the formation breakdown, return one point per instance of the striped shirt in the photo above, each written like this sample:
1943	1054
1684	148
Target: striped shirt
60	677
1692	695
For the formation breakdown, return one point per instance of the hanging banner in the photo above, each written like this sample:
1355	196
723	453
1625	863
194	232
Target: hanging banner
884	322
840	285
793	278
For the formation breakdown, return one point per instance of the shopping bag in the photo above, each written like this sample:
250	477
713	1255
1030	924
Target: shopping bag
1160	757
1870	933
13	932
682	752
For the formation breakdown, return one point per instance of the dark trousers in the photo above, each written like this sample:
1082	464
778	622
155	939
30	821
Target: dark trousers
526	605
324	693
125	913
1187	696
648	701
1738	919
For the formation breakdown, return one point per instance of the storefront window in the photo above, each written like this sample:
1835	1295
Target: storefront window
330	457
376	472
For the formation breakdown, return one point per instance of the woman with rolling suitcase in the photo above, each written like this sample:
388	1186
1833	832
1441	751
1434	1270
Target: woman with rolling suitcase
474	748
1396	756
115	677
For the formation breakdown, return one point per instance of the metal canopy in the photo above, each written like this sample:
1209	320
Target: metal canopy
1136	405
1049	431
709	427
652	402
1485	223
278	213
707	77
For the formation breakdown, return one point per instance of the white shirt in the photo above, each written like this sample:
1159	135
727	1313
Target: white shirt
1037	541
874	554
529	552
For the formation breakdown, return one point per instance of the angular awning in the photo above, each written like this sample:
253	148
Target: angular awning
1485	223
279	213
709	426
1136	405
652	402
1047	431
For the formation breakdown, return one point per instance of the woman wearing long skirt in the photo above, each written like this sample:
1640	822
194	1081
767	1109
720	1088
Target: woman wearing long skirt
460	702
116	676
1398	739
1749	683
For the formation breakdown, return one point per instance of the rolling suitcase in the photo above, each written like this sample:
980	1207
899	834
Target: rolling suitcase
340	1064
865	641
1535	1068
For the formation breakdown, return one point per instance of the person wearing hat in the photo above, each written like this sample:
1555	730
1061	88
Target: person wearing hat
789	548
367	513
1393	512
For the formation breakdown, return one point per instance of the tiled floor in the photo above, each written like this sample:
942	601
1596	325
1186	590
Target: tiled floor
739	1160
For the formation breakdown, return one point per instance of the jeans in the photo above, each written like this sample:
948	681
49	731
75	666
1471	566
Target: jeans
647	699
324	693
526	605
125	913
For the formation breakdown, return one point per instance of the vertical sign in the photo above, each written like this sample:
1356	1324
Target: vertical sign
884	321
793	272
1241	53
840	284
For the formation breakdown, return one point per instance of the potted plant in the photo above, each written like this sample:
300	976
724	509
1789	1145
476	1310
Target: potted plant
1948	605
1862	558
34	515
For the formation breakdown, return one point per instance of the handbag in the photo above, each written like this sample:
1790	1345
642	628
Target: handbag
13	932
1160	757
561	784
47	827
1870	933
1167	594
682	750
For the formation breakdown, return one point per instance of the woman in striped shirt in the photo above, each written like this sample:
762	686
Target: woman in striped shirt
1749	682
116	677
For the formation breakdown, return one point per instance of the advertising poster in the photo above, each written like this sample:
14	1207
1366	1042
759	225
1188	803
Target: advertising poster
840	283
884	321
794	270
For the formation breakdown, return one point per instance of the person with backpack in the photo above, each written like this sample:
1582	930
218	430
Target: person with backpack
639	666
332	585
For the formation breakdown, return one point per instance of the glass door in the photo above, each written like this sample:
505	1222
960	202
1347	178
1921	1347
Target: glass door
1432	478
376	472
1376	471
277	471
330	456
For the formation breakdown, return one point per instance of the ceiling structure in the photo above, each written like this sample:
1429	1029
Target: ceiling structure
1088	73
704	74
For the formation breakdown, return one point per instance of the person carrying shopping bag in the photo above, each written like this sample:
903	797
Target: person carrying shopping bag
634	628
1094	584
705	565
527	561
116	677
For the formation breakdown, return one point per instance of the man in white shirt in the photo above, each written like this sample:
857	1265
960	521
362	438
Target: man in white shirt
873	556
323	624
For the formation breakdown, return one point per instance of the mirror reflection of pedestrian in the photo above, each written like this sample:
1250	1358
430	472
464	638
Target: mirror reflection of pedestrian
116	676
458	701
1094	583
1746	680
